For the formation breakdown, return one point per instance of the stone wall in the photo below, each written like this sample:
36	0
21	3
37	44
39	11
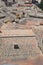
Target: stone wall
27	48
39	36
23	0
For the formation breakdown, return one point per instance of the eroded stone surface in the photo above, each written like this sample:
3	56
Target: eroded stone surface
23	17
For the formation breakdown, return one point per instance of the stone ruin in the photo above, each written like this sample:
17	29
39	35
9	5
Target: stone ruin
18	44
39	36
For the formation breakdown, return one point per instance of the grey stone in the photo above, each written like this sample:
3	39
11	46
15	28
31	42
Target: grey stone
7	64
